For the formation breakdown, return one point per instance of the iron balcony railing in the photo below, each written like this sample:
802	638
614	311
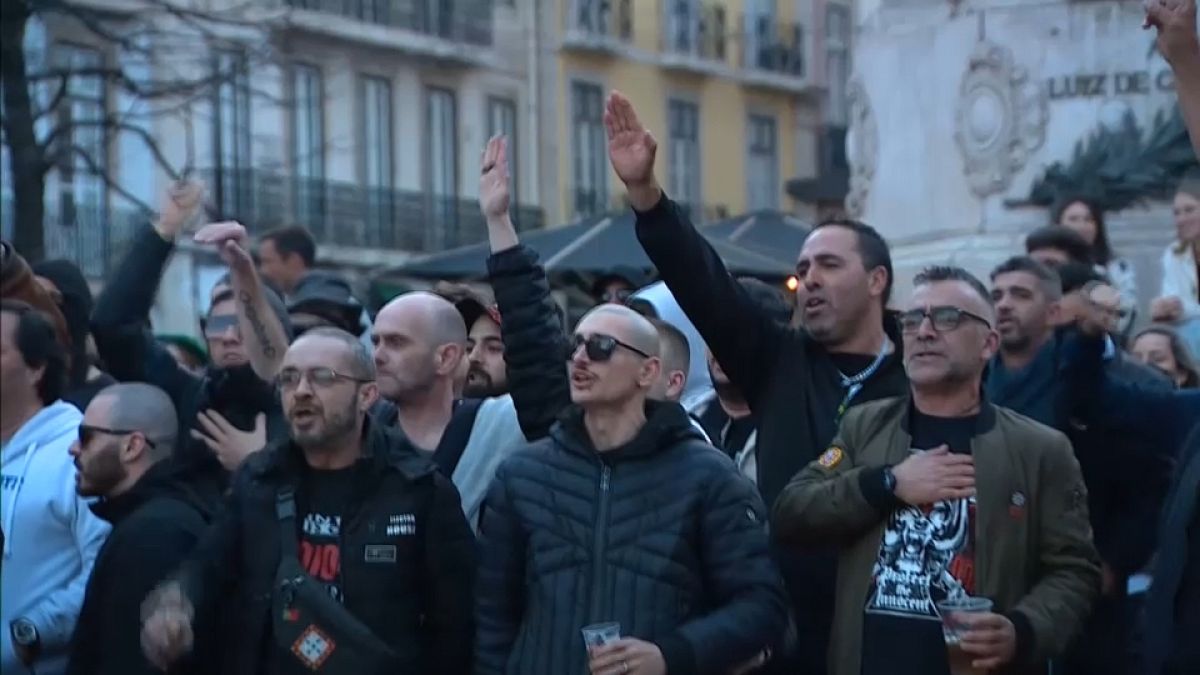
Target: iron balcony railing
461	21
599	20
772	47
697	30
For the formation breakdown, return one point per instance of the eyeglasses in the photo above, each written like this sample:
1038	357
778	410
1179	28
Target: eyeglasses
319	378
217	325
600	347
945	318
87	432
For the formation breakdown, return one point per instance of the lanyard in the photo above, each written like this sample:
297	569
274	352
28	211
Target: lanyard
854	383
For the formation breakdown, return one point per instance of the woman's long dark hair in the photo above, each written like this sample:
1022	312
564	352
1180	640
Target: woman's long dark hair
1101	249
1183	358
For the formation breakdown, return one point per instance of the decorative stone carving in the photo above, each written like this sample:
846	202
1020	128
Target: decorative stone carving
1000	120
862	146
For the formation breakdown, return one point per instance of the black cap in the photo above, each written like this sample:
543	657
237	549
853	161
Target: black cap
328	296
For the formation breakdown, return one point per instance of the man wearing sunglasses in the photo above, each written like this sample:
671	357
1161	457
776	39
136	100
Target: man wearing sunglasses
128	432
50	537
623	514
340	550
940	496
230	386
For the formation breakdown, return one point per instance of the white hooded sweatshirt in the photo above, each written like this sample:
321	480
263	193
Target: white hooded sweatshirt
51	537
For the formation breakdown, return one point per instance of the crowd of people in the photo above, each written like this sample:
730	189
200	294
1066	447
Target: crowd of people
704	475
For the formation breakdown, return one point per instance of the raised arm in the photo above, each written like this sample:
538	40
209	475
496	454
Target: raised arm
121	318
1179	45
265	336
744	340
534	341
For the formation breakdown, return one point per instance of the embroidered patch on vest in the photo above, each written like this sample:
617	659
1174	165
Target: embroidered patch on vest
313	647
831	457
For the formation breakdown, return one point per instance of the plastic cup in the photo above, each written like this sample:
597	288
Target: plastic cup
953	628
601	634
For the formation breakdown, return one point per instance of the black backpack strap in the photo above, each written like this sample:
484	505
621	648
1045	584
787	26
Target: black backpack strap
285	513
458	432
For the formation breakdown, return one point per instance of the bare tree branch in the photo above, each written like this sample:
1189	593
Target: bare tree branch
97	170
110	124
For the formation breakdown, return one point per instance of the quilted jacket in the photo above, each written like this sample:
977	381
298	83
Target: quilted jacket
662	535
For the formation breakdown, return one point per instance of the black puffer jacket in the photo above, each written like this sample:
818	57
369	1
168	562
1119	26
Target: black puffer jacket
661	535
420	604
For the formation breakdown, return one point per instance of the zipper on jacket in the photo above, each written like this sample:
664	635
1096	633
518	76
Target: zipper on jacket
598	539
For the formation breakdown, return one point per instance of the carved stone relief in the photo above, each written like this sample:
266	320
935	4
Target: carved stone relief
862	146
1000	119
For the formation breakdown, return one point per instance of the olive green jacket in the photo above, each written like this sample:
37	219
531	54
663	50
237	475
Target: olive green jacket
1034	556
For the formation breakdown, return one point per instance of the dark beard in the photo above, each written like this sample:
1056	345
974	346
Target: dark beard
483	387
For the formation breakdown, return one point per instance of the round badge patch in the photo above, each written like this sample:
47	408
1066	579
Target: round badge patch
831	457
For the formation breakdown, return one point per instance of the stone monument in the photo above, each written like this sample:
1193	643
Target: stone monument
969	119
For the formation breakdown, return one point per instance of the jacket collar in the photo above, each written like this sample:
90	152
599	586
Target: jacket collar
984	422
384	449
666	425
152	483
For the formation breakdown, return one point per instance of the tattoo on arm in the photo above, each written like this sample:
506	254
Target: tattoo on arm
256	323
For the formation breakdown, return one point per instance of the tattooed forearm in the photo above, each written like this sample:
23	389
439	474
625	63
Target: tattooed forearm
259	327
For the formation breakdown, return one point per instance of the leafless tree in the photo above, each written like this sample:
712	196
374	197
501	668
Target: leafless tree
174	40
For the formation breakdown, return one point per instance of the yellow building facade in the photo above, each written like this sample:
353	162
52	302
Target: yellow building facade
727	88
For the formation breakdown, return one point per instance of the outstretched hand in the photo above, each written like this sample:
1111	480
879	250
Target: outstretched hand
1175	21
179	204
494	198
230	239
631	148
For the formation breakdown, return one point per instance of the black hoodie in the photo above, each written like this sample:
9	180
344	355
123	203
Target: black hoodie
662	535
155	526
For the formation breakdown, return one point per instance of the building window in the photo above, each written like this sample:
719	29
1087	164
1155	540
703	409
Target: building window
231	136
837	63
81	118
375	106
591	156
762	188
502	119
308	144
442	165
683	122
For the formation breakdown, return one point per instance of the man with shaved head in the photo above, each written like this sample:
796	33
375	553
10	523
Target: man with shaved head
121	456
663	536
919	490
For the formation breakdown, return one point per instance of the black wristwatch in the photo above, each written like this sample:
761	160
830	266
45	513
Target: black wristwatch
889	480
24	633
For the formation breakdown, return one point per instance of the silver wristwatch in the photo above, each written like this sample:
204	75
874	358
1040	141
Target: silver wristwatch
24	633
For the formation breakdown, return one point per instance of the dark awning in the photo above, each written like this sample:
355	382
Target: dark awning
592	246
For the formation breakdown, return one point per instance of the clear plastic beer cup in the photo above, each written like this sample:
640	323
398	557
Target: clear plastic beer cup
953	628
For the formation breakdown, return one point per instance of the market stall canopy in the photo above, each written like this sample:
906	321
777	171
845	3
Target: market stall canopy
766	232
589	247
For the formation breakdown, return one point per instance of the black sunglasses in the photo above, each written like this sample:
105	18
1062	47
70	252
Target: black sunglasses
600	347
87	432
216	325
944	318
320	378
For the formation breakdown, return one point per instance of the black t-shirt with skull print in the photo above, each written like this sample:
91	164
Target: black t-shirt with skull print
927	555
